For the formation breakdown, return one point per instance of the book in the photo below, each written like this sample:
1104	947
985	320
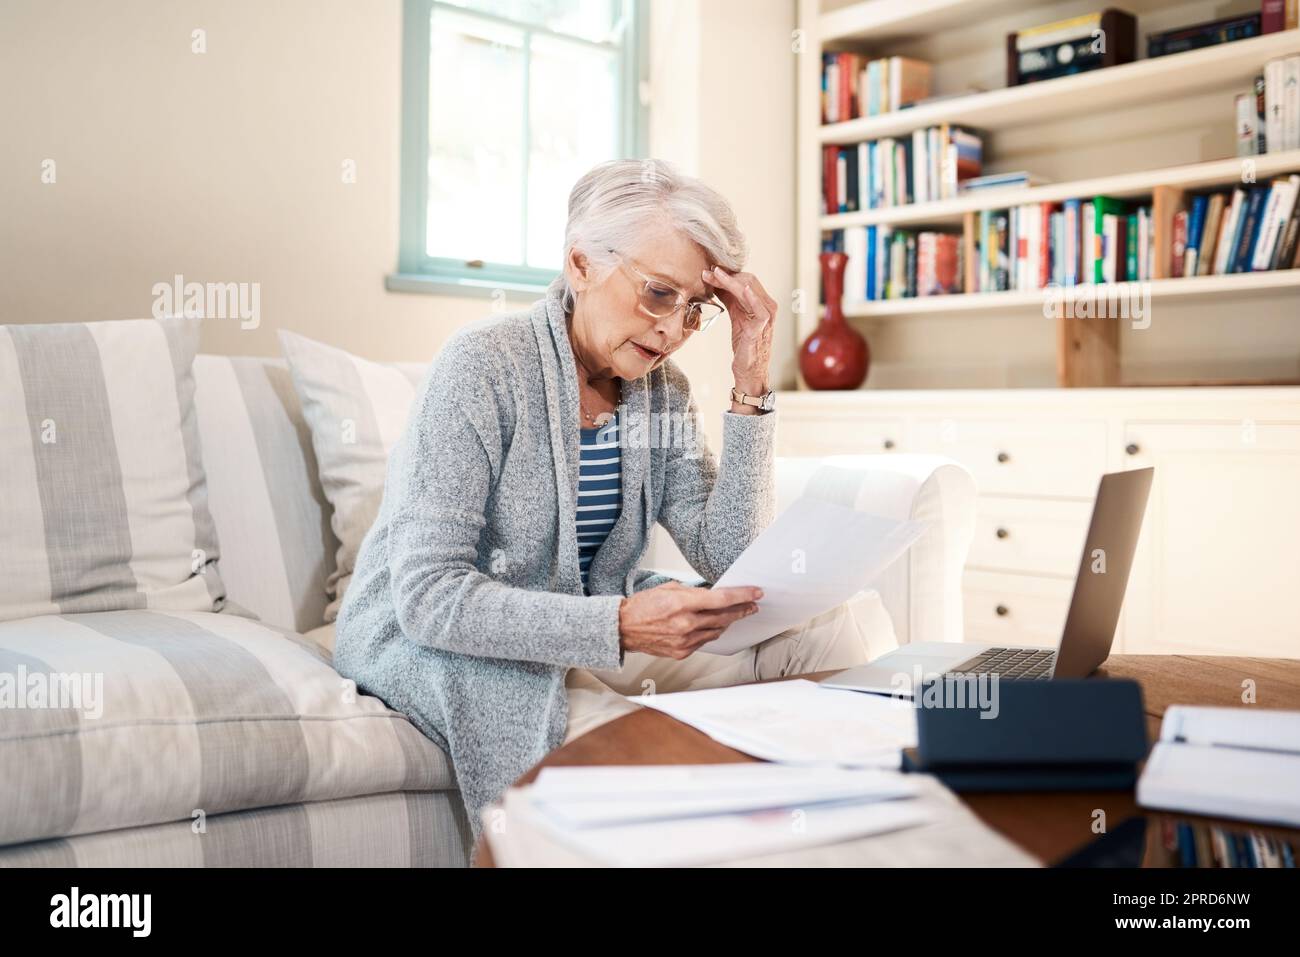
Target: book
1277	212
1247	134
909	82
1248	230
1001	181
1210	238
1131	249
1261	146
1287	246
854	85
1070	255
1274	77
1103	256
1001	251
1272	15
1195	223
1199	35
1228	232
1144	243
1070	46
1226	762
1291	103
1179	244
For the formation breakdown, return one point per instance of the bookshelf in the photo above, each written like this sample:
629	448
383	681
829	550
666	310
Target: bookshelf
1171	122
1122	186
1235	285
1037	407
1141	82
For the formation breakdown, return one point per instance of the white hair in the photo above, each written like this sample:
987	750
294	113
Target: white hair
617	202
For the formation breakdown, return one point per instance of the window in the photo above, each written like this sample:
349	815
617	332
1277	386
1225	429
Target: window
506	103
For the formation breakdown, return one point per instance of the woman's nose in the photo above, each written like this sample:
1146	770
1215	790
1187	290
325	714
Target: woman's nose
672	327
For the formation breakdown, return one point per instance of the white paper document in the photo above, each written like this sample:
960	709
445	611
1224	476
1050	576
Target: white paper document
814	556
721	837
797	722
619	794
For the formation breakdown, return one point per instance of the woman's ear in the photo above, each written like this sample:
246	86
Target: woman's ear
578	267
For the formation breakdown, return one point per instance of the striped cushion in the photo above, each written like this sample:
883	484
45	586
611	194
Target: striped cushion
406	829
356	410
198	712
104	503
277	550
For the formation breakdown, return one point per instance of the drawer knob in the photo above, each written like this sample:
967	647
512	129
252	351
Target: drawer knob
1002	611
889	443
1003	457
1002	533
1132	448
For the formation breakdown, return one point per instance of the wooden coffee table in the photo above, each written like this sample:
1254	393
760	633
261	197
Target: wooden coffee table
1049	825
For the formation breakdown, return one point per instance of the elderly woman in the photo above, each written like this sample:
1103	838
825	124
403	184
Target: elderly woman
497	599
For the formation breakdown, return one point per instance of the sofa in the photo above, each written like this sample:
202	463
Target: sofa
227	739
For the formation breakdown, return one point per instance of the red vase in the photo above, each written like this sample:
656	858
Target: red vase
835	356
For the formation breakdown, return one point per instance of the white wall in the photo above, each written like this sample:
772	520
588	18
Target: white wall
227	165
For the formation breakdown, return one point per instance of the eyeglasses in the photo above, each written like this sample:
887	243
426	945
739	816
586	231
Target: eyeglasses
659	301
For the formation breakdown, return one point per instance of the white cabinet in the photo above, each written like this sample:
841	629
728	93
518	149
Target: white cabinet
1012	456
1029	536
1015	609
816	433
1218	563
1218	567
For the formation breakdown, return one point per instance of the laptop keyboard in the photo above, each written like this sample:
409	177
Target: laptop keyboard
1011	663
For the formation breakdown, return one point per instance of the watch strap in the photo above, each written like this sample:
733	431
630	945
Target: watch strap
762	402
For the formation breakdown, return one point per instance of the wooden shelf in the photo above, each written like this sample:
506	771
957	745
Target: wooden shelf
1232	285
878	20
949	212
1143	81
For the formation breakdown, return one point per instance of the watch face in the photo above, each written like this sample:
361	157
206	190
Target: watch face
769	402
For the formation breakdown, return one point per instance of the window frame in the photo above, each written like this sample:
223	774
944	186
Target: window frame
417	271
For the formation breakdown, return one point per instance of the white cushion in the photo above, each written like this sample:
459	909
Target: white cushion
104	503
356	410
162	716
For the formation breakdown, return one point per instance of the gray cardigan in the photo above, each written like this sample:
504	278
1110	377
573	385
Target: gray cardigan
467	609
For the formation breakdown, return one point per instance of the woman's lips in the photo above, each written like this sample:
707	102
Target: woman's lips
646	352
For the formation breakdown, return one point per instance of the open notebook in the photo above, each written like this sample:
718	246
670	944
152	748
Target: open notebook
1226	762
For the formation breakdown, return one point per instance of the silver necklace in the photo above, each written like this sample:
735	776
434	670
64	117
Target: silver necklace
603	417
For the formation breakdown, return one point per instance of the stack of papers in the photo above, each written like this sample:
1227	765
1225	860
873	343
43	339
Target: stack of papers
699	814
797	722
1226	762
540	827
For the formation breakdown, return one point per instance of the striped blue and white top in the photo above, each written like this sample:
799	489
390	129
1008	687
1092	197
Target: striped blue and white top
599	490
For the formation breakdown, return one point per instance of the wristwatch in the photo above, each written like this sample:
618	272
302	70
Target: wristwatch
766	403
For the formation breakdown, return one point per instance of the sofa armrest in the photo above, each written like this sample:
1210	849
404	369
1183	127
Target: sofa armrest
922	591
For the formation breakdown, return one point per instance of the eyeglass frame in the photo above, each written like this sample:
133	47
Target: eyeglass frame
681	298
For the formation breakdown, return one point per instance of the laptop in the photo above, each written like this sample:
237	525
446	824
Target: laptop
1089	626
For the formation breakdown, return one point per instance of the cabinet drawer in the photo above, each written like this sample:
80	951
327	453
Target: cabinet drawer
801	434
1015	609
1049	458
1029	536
